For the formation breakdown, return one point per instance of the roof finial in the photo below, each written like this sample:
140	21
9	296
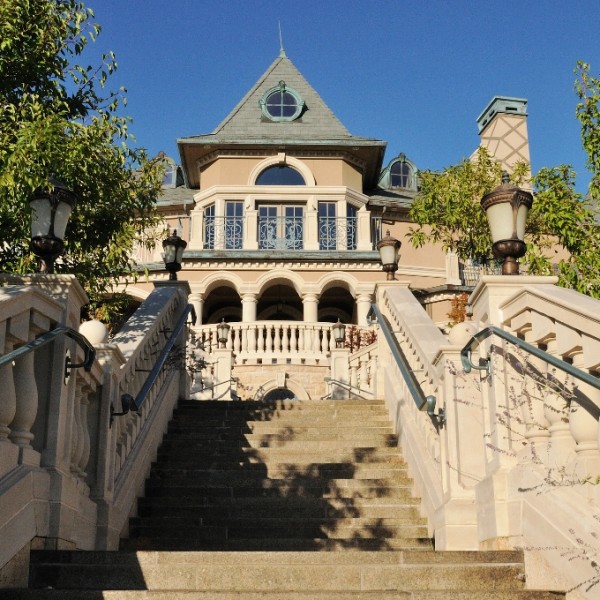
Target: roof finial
281	50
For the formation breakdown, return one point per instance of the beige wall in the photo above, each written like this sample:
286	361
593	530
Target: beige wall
236	170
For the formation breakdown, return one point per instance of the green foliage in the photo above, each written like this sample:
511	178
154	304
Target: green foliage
56	117
447	209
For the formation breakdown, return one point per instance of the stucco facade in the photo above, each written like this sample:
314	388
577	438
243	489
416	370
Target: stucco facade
282	209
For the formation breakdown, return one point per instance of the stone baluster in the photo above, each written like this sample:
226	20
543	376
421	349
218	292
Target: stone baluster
251	339
301	337
236	335
535	382
8	397
293	339
269	333
310	339
76	429
285	339
561	445
354	376
363	374
260	346
84	458
325	335
27	405
584	425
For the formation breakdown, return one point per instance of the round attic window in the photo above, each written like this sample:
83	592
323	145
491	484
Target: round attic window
281	103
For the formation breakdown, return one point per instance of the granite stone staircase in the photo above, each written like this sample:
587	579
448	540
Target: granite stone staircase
292	499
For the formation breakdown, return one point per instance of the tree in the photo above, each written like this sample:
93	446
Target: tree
447	209
57	117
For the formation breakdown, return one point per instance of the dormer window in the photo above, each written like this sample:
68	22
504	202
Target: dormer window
172	175
281	103
400	174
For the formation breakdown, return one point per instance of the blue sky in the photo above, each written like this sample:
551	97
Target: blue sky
416	74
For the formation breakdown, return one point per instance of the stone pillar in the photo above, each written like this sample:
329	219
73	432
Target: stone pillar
363	305
197	301
311	308
249	303
452	269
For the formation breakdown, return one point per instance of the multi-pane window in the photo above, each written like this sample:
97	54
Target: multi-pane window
336	233
327	226
351	228
209	227
280	227
234	225
224	231
401	175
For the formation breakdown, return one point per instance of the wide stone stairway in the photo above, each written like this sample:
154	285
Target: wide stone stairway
294	499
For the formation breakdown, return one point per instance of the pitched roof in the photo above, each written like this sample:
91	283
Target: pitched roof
317	121
316	127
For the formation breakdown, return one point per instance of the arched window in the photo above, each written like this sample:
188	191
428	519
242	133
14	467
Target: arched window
401	173
280	175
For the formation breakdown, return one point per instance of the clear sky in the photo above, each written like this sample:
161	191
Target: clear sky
416	74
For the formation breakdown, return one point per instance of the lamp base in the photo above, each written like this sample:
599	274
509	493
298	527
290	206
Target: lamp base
47	248
508	251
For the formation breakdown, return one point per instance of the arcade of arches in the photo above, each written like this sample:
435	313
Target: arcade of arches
281	299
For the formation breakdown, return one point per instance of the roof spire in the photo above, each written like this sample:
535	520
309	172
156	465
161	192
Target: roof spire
281	50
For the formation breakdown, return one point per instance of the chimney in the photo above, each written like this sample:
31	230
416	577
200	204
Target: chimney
503	130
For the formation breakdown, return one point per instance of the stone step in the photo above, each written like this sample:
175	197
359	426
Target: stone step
325	545
342	488
280	405
277	522
215	419
289	506
374	436
192	446
181	454
282	573
317	471
268	595
208	537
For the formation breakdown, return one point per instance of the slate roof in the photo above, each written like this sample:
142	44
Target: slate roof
317	127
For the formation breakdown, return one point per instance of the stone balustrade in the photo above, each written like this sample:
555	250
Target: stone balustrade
267	341
69	473
516	464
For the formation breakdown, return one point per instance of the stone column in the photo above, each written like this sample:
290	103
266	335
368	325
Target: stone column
363	305
249	303
311	308
197	301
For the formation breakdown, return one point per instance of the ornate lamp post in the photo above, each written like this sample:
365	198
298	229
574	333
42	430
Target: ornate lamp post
50	211
506	209
223	332
339	333
173	247
388	251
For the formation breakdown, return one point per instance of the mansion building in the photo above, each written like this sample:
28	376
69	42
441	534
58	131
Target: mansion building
282	209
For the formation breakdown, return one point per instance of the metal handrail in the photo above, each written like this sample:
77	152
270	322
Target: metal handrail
407	373
467	363
50	336
162	359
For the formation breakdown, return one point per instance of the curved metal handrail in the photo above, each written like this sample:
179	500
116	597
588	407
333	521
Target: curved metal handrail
162	359
467	363
47	338
407	373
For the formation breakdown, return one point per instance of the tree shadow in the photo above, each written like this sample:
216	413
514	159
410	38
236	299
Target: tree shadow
235	476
